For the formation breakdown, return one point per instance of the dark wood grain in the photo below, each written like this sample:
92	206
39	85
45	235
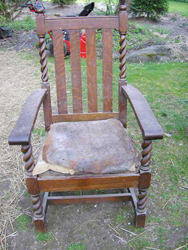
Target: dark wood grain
88	22
145	179
86	182
122	103
107	69
40	25
84	117
52	200
145	170
91	70
40	224
134	199
123	19
149	125
21	133
122	58
76	71
45	84
140	218
60	72
32	185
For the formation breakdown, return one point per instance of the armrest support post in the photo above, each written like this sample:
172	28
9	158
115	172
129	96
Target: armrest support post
146	155
44	76
145	177
123	19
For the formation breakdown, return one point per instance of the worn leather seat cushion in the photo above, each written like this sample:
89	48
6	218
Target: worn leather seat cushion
90	146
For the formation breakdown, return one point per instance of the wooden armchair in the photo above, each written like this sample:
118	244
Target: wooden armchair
94	148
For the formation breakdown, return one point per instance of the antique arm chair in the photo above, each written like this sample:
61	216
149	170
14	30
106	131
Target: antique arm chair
93	150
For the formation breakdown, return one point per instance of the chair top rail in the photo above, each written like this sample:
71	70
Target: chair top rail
72	23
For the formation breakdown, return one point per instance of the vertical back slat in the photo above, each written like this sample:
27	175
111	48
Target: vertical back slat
60	71
76	71
91	70
107	69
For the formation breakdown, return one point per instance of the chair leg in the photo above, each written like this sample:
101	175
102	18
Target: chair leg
38	214
141	208
32	188
144	183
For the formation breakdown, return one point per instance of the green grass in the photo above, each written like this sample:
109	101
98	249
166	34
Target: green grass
178	7
39	131
22	222
76	246
44	236
120	218
26	193
138	36
26	24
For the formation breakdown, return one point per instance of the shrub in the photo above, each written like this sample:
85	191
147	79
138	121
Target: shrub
111	7
150	8
11	9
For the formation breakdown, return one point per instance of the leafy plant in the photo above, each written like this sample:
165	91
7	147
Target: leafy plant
11	8
152	9
110	7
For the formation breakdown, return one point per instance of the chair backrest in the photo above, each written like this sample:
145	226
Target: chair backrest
90	25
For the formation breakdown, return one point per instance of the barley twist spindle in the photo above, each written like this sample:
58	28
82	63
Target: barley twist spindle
142	199
146	155
37	206
122	49
45	84
145	166
28	159
122	58
43	60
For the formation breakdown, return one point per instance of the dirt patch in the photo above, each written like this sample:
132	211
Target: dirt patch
15	74
20	41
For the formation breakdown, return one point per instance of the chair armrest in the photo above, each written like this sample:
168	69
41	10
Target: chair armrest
21	133
149	125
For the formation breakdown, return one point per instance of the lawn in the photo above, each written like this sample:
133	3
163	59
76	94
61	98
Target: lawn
178	7
164	86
